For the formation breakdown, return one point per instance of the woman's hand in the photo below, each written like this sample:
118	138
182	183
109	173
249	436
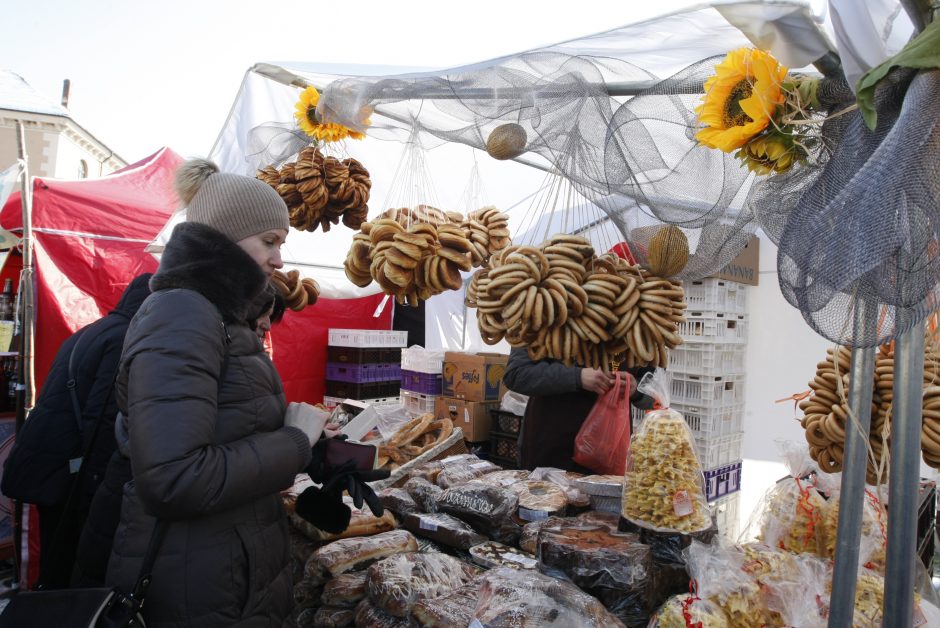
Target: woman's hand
596	380
307	419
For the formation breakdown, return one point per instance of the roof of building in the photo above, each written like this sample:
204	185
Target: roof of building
18	95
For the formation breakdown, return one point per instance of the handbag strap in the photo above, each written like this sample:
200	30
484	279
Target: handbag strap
72	386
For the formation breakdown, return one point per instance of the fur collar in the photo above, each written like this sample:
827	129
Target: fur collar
202	259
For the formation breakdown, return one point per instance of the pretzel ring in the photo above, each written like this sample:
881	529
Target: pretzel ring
411	430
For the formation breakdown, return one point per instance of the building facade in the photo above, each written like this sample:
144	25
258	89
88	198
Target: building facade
56	145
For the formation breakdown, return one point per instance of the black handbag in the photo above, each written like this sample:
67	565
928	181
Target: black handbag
99	607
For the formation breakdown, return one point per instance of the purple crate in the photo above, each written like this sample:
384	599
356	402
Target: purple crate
722	481
424	383
351	372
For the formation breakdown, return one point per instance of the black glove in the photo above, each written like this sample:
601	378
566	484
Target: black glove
325	510
347	478
318	469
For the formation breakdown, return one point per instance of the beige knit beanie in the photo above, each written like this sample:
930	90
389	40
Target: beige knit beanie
236	205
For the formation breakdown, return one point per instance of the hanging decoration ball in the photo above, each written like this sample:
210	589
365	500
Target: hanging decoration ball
507	141
668	252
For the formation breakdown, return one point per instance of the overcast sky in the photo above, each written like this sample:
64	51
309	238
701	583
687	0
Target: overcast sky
149	74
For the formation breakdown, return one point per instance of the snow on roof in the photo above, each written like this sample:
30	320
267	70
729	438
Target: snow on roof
17	95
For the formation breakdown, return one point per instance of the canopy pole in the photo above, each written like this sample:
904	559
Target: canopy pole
904	477
852	497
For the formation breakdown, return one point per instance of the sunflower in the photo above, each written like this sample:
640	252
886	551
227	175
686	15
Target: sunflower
740	99
306	114
769	153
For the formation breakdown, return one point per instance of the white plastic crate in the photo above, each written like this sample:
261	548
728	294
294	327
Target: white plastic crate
421	360
716	295
723	480
717	358
718	452
713	327
712	421
418	403
688	389
367	338
727	516
332	402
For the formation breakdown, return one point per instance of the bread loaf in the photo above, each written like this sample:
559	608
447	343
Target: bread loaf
600	518
511	598
423	493
504	478
443	528
362	523
492	554
398	500
397	582
368	615
357	553
344	590
528	540
457	474
449	610
307	594
539	500
488	509
329	617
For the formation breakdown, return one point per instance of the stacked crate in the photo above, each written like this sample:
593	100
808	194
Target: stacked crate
421	379
707	387
364	364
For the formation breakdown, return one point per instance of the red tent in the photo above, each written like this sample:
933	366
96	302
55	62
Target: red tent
89	243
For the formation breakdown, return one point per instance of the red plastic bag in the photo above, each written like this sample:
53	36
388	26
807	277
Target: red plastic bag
602	442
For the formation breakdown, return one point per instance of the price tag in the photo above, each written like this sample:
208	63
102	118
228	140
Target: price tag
466	415
682	503
532	515
426	524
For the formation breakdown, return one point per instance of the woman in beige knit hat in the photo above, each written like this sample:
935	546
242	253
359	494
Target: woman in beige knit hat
204	417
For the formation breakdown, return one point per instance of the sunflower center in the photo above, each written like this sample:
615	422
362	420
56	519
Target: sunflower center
733	114
312	115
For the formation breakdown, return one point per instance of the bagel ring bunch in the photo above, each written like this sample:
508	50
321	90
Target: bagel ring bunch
414	254
826	416
298	292
563	302
321	190
488	231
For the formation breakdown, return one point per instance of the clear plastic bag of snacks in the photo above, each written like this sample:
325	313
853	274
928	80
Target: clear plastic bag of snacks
663	488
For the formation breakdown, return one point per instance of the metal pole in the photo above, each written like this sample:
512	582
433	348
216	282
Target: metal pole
852	497
904	477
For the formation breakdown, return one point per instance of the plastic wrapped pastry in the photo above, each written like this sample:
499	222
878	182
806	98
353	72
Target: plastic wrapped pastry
447	611
357	553
663	488
443	528
397	582
874	539
424	493
465	471
488	509
368	615
527	599
792	510
492	554
682	611
539	499
344	590
398	500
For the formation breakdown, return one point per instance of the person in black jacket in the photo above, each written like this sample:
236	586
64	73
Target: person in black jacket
45	460
560	398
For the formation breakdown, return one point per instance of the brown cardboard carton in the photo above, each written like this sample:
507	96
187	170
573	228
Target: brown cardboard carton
473	417
473	376
743	268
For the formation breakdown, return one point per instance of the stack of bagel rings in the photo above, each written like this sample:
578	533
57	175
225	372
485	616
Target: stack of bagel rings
563	302
298	292
826	415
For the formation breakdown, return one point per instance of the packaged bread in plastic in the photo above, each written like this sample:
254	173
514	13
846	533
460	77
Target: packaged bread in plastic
361	523
397	582
449	610
397	500
330	617
504	478
430	470
492	554
539	499
424	493
794	586
874	538
368	614
577	499
528	599
307	594
612	566
722	577
790	515
488	509
688	609
443	528
663	487
464	471
344	590
528	540
357	553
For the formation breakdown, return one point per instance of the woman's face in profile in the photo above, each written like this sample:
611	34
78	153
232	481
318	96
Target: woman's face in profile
265	249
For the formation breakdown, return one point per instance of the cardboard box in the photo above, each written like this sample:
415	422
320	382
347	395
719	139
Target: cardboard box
743	268
473	376
473	417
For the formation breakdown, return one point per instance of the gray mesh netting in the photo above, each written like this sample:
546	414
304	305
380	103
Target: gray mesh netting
865	231
856	223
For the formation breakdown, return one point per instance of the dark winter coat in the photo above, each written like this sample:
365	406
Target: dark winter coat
208	456
57	437
556	410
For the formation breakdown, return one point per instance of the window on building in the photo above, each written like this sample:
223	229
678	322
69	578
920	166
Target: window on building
82	169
